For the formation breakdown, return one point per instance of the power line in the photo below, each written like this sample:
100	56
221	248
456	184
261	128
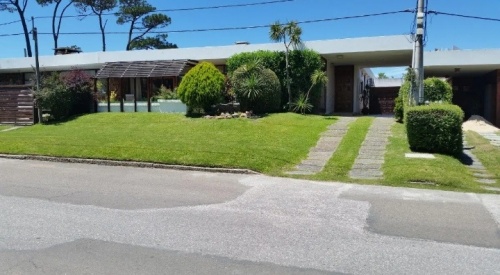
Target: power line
230	28
184	9
464	16
245	27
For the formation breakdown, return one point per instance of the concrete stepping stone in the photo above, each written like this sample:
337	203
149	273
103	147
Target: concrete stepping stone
327	144
368	163
491	188
480	172
486	181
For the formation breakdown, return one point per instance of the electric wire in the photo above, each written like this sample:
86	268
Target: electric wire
180	9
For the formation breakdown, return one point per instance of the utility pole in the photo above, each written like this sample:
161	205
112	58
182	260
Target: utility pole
37	66
419	53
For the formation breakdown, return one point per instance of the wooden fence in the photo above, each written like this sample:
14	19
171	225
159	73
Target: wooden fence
16	105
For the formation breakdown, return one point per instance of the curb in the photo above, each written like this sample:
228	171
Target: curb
136	164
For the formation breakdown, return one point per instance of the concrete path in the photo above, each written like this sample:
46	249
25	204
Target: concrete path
11	129
480	173
59	218
368	164
494	138
327	144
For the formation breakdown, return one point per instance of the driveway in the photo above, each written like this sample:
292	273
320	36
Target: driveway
74	218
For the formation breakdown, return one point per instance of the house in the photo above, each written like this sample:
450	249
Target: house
474	74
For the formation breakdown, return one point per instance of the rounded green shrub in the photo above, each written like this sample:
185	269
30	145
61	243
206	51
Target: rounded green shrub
436	128
202	87
257	89
436	89
398	109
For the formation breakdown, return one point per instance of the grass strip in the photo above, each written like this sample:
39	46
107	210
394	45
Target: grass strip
339	165
444	172
488	154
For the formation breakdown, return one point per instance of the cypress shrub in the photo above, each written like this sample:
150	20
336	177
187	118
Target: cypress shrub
202	87
436	128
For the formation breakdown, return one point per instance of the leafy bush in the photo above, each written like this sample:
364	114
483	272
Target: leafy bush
202	87
257	88
302	65
398	109
65	95
436	89
435	128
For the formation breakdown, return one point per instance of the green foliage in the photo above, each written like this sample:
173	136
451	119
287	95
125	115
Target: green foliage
131	11
435	128
202	87
382	75
148	43
302	105
436	89
303	63
65	95
398	109
257	88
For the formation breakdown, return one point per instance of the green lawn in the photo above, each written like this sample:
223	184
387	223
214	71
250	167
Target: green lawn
340	164
3	127
270	145
446	172
488	154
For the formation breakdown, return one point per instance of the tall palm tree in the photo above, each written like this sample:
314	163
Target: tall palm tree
289	34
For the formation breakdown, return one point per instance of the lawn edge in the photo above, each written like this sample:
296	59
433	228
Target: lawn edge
137	164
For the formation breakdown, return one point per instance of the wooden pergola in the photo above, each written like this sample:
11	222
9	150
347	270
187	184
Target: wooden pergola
142	69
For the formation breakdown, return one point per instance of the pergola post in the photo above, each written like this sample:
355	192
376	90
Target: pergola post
108	94
149	95
121	96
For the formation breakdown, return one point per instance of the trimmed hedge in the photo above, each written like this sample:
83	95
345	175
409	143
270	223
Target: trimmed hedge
436	128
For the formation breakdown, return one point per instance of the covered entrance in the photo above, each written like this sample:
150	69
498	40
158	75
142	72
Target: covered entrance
344	87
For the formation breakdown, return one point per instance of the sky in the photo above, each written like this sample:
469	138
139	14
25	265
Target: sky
444	32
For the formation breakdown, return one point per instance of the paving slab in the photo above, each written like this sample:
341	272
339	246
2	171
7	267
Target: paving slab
368	163
419	156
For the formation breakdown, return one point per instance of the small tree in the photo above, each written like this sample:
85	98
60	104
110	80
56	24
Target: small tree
290	35
202	87
65	95
302	103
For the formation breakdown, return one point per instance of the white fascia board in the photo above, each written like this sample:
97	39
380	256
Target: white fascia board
94	60
362	44
462	58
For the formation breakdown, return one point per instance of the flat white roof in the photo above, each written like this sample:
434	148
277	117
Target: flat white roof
361	49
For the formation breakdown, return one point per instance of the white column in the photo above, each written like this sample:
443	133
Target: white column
330	89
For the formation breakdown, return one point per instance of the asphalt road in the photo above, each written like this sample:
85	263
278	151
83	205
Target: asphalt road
72	218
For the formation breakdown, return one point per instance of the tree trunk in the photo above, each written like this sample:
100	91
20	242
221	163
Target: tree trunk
103	36
25	29
288	82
